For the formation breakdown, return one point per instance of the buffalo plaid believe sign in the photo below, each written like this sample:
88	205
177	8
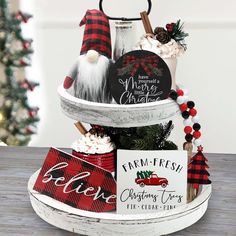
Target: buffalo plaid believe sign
77	183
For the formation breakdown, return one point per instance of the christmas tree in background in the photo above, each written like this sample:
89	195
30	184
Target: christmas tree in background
17	118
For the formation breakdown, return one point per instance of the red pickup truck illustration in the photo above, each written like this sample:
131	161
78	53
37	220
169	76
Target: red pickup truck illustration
153	179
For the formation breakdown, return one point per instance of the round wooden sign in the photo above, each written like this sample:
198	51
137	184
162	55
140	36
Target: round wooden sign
139	77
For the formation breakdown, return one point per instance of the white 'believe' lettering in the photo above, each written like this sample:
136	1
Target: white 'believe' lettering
96	193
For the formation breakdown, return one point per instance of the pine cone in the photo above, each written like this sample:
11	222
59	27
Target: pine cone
163	37
158	30
97	131
93	131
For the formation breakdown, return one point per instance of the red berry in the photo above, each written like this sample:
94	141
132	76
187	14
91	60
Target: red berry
188	129
170	27
22	62
180	92
183	107
26	44
197	134
192	112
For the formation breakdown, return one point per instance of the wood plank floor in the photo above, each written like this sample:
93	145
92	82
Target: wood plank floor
18	218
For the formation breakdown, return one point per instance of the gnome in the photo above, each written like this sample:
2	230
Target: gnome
90	72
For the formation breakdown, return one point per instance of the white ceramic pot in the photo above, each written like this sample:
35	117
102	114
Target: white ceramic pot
172	64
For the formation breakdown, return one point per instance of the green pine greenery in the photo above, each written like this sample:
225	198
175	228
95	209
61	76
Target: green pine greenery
178	33
152	137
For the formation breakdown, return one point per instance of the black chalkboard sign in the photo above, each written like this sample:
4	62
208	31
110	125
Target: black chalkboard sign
139	77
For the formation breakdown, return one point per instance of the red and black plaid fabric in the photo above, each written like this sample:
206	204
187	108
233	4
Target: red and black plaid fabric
197	170
147	63
97	33
95	180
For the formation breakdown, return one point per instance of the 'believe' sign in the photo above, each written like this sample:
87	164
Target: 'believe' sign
77	183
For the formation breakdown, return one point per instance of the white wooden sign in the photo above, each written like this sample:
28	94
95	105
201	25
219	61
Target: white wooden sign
150	181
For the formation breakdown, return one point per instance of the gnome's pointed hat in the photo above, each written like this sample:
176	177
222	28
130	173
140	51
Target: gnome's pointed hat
97	33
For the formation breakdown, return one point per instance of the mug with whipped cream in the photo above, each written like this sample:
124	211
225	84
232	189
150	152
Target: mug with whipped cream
168	52
97	150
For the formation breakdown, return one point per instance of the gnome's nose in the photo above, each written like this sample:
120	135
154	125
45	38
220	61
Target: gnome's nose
92	56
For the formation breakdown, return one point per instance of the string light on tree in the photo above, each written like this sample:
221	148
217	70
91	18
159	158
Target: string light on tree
3	132
2	34
8	103
2	117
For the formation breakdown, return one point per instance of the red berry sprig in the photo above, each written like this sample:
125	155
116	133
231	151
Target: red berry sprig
170	27
189	113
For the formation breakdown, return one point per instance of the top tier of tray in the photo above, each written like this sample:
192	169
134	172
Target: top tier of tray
116	115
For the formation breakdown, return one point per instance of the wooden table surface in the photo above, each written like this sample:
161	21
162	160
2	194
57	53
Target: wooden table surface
18	218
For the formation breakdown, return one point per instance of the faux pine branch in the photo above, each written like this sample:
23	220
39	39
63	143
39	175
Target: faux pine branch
143	138
164	134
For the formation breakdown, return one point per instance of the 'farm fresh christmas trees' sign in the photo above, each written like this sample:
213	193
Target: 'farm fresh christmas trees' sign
150	181
139	77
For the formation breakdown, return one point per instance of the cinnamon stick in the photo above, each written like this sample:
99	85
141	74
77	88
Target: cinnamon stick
81	128
146	22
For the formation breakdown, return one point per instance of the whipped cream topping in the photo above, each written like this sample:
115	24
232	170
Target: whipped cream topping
171	49
93	144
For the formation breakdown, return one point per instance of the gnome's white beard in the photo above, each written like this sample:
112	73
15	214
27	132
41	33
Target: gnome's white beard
91	83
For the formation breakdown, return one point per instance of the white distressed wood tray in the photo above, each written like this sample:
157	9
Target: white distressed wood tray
112	224
116	115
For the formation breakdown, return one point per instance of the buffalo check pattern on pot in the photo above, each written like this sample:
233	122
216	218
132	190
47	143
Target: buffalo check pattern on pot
77	183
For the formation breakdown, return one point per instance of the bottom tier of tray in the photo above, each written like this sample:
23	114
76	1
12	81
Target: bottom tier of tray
90	223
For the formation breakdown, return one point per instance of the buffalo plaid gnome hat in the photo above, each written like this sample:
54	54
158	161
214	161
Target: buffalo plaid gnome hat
97	33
